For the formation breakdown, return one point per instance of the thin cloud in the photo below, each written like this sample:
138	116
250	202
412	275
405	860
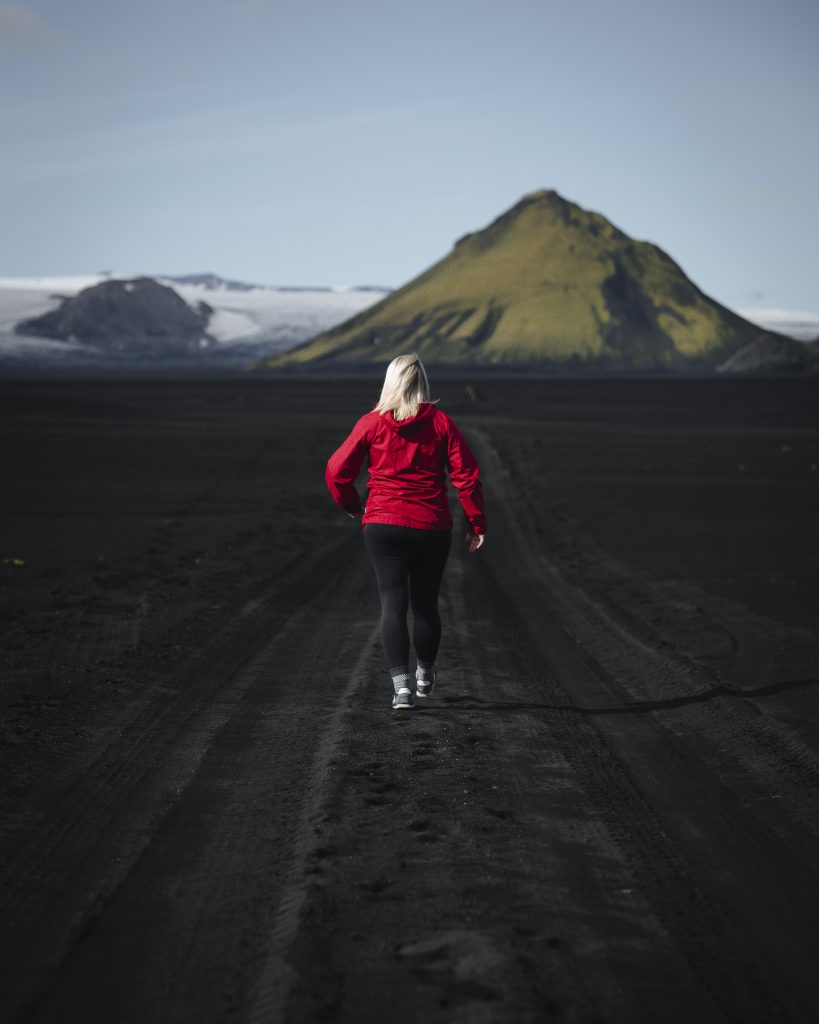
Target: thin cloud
205	134
747	194
22	29
251	8
353	120
195	135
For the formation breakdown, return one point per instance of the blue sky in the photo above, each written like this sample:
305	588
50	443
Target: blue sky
318	142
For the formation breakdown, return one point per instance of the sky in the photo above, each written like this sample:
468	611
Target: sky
324	142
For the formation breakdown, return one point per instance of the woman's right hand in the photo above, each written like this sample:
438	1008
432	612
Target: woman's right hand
474	542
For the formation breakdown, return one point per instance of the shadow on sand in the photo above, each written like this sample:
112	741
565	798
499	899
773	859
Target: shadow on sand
467	702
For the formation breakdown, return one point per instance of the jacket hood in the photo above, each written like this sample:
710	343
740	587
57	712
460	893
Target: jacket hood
425	411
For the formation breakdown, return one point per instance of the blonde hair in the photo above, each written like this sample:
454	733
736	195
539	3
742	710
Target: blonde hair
405	385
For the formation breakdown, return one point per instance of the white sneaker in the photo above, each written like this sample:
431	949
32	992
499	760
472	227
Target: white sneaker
423	687
403	699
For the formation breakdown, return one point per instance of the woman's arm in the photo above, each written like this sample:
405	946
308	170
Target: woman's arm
343	468
465	476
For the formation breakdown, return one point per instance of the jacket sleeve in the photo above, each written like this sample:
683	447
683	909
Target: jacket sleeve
464	474
343	468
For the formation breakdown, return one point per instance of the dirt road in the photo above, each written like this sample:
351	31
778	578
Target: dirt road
607	812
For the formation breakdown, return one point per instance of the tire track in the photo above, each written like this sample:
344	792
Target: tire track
65	869
275	980
765	756
707	844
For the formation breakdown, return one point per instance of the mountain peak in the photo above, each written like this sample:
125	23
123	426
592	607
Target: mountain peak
546	196
546	282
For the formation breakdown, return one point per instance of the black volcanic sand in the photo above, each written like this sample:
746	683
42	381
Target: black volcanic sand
606	812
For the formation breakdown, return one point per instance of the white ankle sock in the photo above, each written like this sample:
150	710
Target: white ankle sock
400	678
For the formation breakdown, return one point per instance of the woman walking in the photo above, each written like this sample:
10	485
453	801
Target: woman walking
407	523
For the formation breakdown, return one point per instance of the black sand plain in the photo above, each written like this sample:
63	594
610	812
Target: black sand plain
607	812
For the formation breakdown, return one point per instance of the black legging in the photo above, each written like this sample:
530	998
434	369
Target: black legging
408	566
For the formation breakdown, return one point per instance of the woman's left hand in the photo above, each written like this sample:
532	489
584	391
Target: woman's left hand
474	542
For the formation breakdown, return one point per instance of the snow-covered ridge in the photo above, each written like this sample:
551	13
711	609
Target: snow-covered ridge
267	319
287	314
800	324
70	284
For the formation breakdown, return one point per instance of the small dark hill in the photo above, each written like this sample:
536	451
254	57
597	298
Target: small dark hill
140	315
547	283
773	355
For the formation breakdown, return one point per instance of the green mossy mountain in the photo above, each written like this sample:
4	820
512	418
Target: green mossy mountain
547	283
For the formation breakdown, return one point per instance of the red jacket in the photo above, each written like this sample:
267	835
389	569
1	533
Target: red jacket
408	463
